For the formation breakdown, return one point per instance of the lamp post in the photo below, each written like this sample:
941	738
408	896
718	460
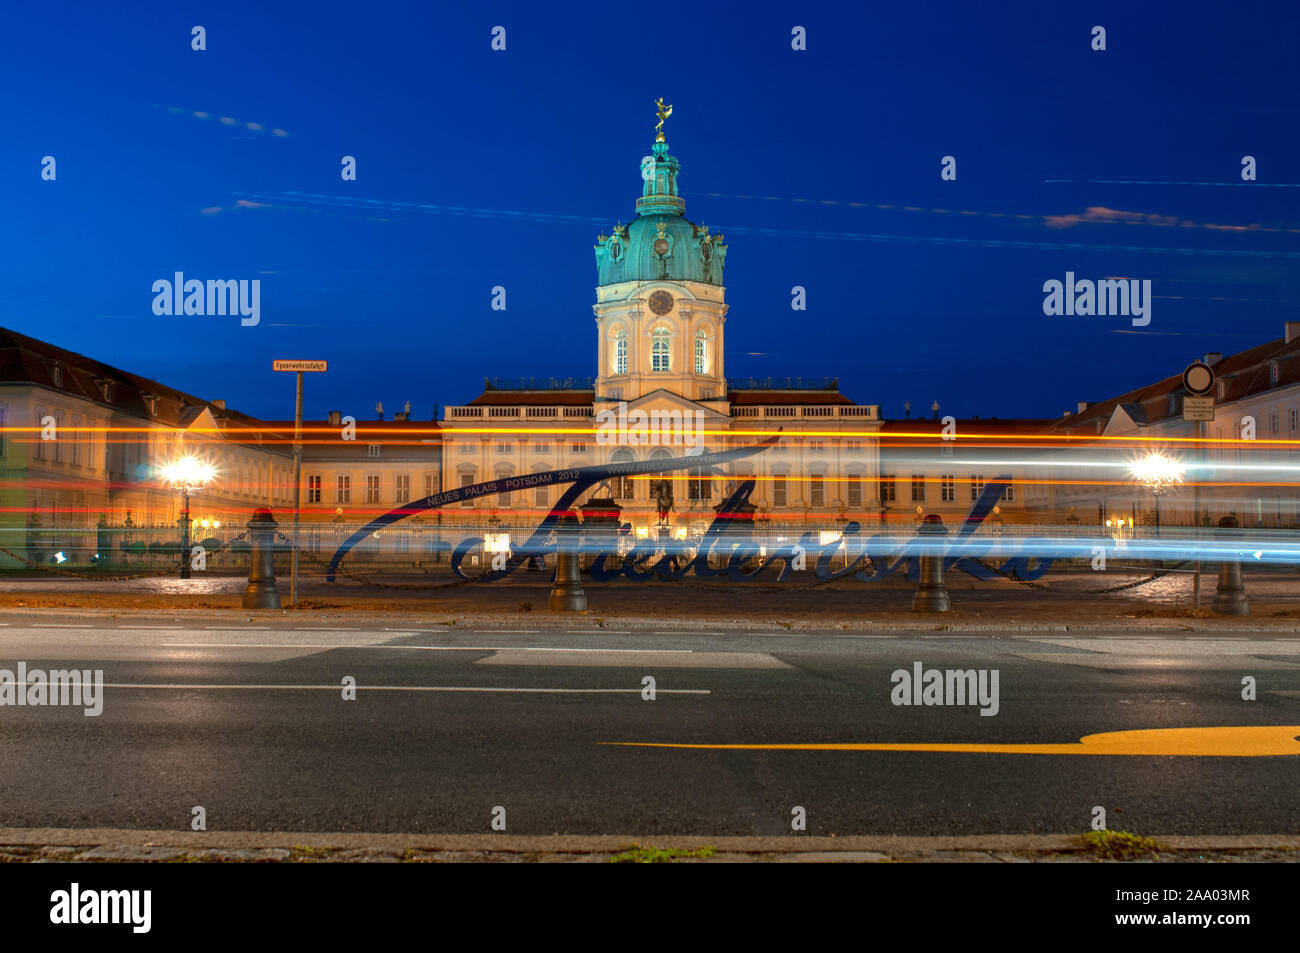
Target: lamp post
1157	473
187	475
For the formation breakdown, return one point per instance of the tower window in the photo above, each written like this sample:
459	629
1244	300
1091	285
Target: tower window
701	352
620	351
659	353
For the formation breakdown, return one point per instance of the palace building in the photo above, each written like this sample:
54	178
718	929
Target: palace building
660	331
83	444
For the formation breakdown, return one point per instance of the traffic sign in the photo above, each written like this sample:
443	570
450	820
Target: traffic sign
1198	379
299	366
1198	408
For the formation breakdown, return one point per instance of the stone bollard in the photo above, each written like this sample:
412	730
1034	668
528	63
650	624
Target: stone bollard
1230	598
567	595
261	592
600	522
931	594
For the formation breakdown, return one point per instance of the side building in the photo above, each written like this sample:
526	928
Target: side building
353	471
83	445
1239	464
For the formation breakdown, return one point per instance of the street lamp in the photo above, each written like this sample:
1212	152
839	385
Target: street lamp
187	474
1157	473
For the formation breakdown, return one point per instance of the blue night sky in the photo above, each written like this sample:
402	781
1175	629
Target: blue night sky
478	168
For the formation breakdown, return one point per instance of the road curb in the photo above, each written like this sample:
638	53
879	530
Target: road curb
640	624
125	845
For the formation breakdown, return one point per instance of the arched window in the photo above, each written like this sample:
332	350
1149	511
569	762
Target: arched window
623	486
660	454
659	350
620	351
699	484
701	352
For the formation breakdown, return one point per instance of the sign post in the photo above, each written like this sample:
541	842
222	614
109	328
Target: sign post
1198	407
298	367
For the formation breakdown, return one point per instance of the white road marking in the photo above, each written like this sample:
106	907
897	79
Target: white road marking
503	631
161	628
639	658
399	648
56	625
242	628
412	688
308	629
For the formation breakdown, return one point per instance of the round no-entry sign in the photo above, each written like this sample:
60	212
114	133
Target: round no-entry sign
1198	379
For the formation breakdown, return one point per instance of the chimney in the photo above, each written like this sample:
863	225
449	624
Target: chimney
1214	357
1081	406
336	418
220	404
1291	332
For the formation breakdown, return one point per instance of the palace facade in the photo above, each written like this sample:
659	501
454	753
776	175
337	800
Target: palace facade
83	444
660	324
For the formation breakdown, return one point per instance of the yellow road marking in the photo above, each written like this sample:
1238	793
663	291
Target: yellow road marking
1258	741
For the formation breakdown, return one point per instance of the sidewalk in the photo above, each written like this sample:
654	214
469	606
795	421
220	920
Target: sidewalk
1070	602
54	845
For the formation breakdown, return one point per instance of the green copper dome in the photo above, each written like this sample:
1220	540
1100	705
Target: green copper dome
660	243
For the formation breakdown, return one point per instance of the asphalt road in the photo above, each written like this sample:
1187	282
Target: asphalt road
249	722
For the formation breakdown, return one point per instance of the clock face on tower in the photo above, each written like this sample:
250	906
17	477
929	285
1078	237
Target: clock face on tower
661	302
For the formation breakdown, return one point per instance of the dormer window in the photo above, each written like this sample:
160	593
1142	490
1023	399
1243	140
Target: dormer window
1223	388
56	374
105	389
1273	373
151	401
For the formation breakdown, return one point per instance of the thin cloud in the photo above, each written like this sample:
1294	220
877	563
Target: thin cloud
229	121
1100	215
239	204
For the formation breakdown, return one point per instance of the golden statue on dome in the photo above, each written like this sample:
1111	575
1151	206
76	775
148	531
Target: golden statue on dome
663	112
